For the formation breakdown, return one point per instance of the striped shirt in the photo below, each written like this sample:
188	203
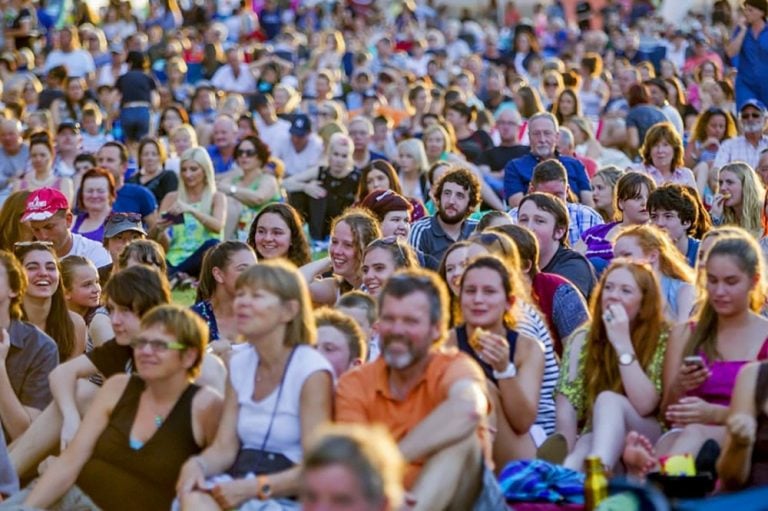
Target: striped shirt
428	236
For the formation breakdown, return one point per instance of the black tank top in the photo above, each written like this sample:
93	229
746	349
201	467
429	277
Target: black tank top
119	478
340	195
463	342
758	474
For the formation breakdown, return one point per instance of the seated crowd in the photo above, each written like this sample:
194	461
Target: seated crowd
418	271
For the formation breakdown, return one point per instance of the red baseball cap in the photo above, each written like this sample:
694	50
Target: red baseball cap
42	204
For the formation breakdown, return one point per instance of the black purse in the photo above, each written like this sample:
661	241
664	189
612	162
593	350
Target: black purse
261	461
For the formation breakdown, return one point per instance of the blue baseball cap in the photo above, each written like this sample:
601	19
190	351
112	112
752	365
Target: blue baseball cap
754	103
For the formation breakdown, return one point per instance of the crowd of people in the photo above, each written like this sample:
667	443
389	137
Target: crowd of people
438	259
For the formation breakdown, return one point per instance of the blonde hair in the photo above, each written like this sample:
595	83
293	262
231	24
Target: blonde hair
186	129
415	148
200	156
752	196
671	260
184	326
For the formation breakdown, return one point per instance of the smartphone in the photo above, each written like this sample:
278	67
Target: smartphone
173	219
694	360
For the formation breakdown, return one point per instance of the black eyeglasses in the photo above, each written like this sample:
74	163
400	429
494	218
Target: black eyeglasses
122	217
246	152
156	345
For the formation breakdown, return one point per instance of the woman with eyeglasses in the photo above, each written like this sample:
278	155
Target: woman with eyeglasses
255	188
711	128
44	305
41	174
740	199
382	258
152	173
279	391
140	428
513	362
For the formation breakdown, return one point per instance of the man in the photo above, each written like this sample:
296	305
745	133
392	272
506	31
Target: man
50	219
119	230
113	156
748	45
550	177
235	76
302	150
352	467
272	130
748	146
657	88
27	356
340	339
566	146
68	144
457	195
547	217
361	131
492	161
672	209
77	60
432	402
542	131
222	151
14	154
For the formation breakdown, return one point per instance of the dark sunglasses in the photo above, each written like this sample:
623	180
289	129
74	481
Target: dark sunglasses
122	217
246	152
751	116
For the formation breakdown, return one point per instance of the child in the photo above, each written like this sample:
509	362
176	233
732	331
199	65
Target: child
93	136
361	307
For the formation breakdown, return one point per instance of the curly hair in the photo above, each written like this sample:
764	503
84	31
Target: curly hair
465	179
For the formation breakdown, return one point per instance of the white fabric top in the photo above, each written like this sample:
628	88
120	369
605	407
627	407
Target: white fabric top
296	163
89	249
78	62
253	417
739	149
224	78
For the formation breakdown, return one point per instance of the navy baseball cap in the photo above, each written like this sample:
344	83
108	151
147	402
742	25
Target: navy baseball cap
754	103
301	125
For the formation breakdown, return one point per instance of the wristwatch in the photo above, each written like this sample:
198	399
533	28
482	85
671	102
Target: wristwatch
232	189
264	491
626	359
509	372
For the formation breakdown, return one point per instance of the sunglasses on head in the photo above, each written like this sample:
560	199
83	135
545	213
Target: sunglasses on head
122	217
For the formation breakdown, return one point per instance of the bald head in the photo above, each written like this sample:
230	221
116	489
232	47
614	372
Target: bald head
224	132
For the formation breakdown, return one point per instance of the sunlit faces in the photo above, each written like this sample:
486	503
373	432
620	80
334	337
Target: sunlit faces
669	222
55	229
540	222
343	250
237	264
125	323
259	312
662	154
406	161
150	158
117	243
171	120
156	364
96	193
377	180
42	273
602	193
192	174
621	288
340	156
635	209
543	136
455	263
333	344
272	237
483	298
396	223
40	157
246	155
335	488
181	142
567	105
434	145
716	127
728	286
628	247
406	331
108	158
86	289
454	201
378	266
730	188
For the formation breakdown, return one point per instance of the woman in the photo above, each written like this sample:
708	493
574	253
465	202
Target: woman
382	258
419	99
705	356
70	107
711	128
181	90
351	232
451	269
139	429
277	232
439	145
152	173
740	199
255	188
222	265
277	368
138	93
471	143
632	190
412	175
662	154
512	362
12	229
602	391
44	305
594	92
194	215
379	175
587	145
41	175
603	192
82	292
648	244
182	138
567	106
641	117
551	87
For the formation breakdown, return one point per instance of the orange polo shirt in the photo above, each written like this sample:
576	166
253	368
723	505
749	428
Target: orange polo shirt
363	396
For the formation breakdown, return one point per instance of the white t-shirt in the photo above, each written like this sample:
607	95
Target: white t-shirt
89	249
224	79
78	62
296	163
275	135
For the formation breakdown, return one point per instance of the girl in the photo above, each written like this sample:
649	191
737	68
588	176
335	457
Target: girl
41	175
83	294
711	128
611	378
739	201
194	215
277	368
567	106
277	232
412	161
44	305
382	258
604	191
